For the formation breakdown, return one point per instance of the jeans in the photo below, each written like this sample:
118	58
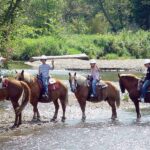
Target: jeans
144	88
94	86
45	84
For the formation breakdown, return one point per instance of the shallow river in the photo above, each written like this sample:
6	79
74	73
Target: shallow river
99	132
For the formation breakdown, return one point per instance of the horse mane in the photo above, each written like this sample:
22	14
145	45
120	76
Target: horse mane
81	80
28	77
129	76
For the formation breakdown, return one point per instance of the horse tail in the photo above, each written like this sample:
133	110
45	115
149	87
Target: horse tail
118	98
26	97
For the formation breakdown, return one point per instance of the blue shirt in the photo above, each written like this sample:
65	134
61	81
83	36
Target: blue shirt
44	70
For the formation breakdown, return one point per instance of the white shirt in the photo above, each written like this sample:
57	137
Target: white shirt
44	70
95	73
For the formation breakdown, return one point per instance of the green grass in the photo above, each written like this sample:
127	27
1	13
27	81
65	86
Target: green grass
17	65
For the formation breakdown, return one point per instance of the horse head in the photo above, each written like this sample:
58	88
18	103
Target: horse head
1	82
73	82
20	76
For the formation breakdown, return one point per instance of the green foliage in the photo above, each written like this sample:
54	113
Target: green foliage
125	44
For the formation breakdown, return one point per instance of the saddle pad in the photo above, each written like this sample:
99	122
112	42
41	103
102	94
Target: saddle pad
52	81
54	86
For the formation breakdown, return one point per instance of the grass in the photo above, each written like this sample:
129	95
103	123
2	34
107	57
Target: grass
17	65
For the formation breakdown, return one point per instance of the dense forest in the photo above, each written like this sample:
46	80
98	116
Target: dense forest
100	28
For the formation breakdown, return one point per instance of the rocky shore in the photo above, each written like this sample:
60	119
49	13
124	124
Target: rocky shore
77	64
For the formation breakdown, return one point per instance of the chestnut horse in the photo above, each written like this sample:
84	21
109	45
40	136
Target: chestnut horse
13	90
58	92
78	85
130	82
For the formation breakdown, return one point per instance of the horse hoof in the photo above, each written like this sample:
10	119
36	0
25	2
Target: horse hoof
63	119
13	127
53	120
35	120
83	119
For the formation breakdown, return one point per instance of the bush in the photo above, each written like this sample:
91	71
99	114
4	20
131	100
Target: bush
125	44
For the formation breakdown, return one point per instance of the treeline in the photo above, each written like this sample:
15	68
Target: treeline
100	28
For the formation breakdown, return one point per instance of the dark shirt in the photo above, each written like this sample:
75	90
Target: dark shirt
147	77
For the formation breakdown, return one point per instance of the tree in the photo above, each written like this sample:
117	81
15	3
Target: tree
141	13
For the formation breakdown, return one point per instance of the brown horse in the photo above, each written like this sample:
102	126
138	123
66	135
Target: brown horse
56	91
78	85
129	82
13	90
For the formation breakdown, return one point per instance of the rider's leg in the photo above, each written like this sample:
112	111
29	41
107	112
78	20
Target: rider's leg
144	89
45	84
94	87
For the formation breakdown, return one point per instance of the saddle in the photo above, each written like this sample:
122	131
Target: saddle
100	88
52	86
139	87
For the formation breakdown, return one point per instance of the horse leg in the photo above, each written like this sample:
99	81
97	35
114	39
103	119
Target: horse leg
113	107
36	115
56	110
15	106
82	103
63	104
20	120
136	103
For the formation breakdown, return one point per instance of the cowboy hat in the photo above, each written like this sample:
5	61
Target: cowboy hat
43	57
92	61
146	61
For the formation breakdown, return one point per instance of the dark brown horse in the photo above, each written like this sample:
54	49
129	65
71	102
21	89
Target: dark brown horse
130	82
13	90
80	88
56	91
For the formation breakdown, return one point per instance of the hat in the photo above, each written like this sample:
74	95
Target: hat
92	61
146	61
43	57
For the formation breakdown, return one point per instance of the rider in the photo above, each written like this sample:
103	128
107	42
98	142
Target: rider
44	73
95	73
146	80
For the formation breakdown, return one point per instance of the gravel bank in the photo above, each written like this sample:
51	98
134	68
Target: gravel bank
77	64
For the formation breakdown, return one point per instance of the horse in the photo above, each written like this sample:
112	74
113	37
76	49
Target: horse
56	91
79	87
130	83
14	90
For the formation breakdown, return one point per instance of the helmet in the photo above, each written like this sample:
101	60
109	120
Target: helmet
43	57
92	61
146	61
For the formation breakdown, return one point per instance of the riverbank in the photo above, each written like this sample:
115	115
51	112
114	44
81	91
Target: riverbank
110	65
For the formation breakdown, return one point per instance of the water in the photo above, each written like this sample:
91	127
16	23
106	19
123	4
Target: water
99	132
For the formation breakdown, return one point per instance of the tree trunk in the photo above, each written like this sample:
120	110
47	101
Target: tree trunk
107	16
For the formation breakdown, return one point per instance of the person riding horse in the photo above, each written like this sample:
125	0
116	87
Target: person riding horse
44	74
95	74
146	83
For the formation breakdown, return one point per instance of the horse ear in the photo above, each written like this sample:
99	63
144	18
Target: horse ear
16	71
75	74
22	72
119	75
69	74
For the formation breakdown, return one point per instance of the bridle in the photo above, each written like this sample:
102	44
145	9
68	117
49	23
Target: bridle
73	84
